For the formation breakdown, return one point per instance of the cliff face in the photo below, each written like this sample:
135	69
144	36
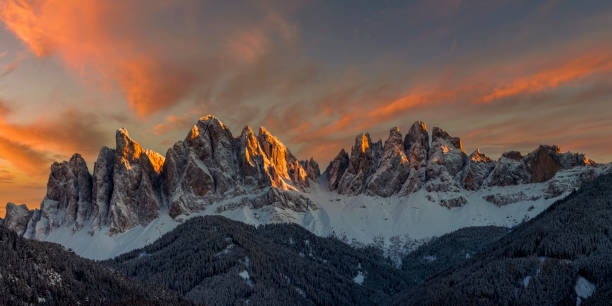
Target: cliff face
131	185
440	166
211	165
212	170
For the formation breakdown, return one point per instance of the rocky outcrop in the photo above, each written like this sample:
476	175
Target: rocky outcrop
539	166
210	165
135	198
362	163
312	168
132	186
446	159
68	199
402	167
544	162
416	146
103	186
510	169
17	217
123	192
336	169
393	168
478	168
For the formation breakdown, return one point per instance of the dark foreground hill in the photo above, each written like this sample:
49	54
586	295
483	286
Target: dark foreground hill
216	261
33	272
561	257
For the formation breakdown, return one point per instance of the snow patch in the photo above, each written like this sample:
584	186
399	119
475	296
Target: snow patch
359	278
526	281
584	289
430	258
246	277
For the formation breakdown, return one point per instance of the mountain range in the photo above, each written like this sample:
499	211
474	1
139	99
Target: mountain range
410	187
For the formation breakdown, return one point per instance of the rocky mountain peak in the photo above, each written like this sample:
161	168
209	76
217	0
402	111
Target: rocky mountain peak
336	169
126	146
416	144
441	136
478	156
362	142
17	217
211	165
514	155
131	184
394	141
69	189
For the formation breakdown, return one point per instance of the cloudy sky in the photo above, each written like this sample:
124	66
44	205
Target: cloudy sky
500	74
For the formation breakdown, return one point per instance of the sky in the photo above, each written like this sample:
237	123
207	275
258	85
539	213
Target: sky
502	75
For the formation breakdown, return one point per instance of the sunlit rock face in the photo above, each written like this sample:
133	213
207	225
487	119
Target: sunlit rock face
136	197
210	165
441	167
131	185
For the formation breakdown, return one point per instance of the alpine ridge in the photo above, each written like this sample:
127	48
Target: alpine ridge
442	166
256	179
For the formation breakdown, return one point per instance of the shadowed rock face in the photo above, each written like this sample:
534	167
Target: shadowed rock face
440	165
362	162
68	199
394	167
17	217
544	164
103	185
336	169
478	168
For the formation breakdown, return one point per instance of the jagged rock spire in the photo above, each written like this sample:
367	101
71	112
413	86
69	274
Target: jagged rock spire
211	164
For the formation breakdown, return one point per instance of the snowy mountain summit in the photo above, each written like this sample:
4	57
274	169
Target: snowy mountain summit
418	184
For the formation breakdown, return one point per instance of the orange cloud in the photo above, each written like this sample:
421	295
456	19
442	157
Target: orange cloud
23	157
6	176
154	66
562	73
95	35
32	147
172	123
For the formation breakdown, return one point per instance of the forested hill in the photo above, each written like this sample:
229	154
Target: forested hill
217	261
563	256
33	272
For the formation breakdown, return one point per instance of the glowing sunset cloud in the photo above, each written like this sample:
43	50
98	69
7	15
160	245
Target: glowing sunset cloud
584	66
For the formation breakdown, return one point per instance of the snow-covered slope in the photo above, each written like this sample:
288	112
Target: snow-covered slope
407	189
